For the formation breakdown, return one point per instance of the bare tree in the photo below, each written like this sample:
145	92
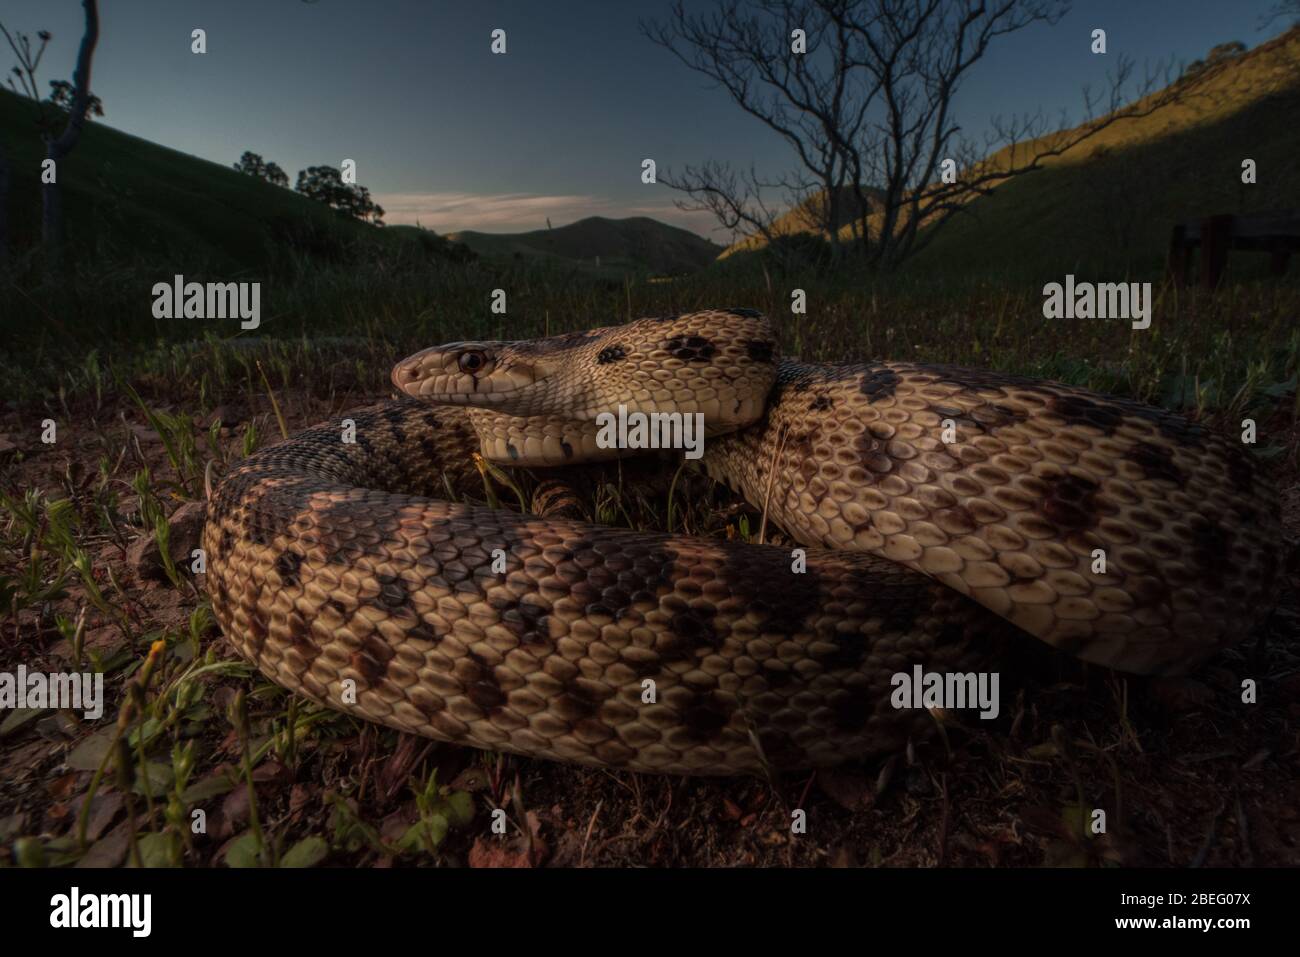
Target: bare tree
4	207
29	61
57	147
866	107
1282	10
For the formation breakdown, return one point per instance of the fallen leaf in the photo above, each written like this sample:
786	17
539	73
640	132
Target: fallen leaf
308	852
110	850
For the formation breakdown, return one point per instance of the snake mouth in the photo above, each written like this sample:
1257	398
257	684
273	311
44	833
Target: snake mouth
463	373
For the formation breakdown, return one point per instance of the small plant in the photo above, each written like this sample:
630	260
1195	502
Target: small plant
440	809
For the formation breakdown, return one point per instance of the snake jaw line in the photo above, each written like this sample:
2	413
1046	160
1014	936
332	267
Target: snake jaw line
466	373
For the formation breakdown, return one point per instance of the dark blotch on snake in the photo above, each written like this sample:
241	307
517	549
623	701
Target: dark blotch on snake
393	593
481	683
852	709
695	625
396	420
849	651
300	635
1070	502
776	674
1156	462
423	631
611	354
371	659
759	350
1081	410
578	701
783	600
691	348
526	621
878	383
706	715
286	566
257	630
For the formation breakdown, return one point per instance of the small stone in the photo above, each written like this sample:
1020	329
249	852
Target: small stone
228	414
144	557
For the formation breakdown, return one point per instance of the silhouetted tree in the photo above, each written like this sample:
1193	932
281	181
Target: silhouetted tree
253	164
62	93
57	147
1282	10
325	185
867	109
1224	51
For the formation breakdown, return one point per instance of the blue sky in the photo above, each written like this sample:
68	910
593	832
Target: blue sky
447	133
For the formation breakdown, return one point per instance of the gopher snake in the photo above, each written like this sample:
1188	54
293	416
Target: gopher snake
945	512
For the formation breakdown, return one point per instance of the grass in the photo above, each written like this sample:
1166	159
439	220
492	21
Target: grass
283	782
1228	352
129	200
1104	208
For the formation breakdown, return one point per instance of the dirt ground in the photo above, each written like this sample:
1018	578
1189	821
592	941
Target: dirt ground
1186	773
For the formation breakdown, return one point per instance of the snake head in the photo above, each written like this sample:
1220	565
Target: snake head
543	401
467	373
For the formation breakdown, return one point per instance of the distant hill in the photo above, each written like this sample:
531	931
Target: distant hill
1110	202
637	244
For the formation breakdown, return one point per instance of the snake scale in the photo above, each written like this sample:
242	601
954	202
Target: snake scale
945	513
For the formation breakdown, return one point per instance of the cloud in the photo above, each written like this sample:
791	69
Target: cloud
519	212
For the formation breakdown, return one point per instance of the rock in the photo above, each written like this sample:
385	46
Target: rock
228	414
144	557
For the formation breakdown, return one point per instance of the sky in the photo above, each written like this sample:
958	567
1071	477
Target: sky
449	135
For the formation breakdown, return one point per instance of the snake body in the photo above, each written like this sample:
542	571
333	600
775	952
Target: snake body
946	514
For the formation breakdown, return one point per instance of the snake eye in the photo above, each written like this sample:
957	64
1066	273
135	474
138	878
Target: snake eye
472	361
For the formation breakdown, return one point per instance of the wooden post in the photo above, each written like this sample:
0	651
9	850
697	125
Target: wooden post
1180	254
1215	233
1278	257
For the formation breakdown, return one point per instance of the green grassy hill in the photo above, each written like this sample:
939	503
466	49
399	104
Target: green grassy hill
636	244
128	199
1109	203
